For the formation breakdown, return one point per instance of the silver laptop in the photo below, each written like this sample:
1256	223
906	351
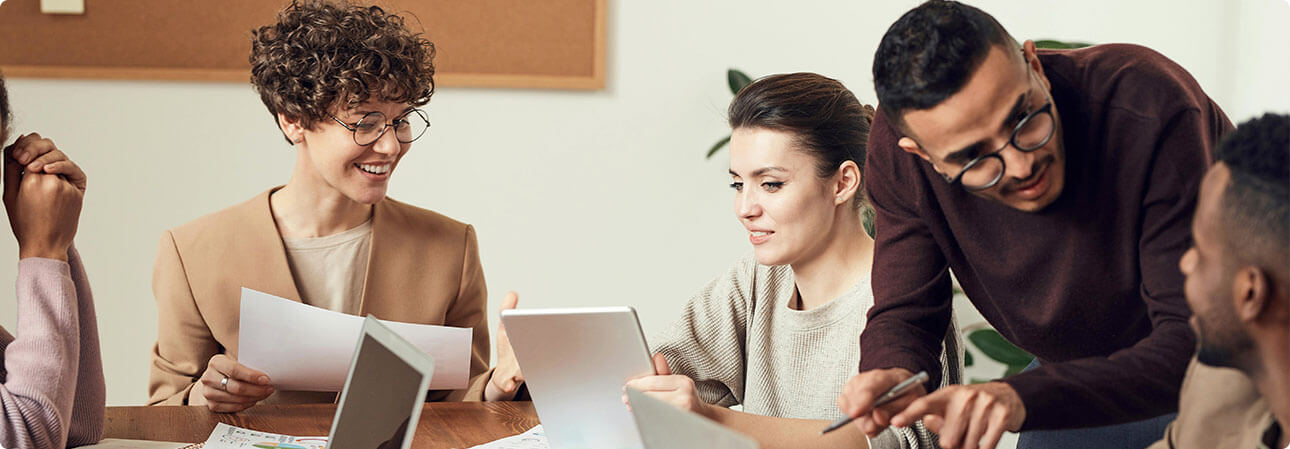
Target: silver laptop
663	426
384	392
575	362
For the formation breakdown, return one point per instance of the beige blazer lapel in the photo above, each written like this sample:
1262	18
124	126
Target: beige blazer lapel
388	265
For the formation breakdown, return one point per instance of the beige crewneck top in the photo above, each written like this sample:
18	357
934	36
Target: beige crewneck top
330	270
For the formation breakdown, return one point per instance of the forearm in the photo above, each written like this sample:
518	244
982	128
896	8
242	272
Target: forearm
184	342
1135	383
87	413
42	363
775	433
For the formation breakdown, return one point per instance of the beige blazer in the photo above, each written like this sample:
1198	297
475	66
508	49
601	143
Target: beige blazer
423	268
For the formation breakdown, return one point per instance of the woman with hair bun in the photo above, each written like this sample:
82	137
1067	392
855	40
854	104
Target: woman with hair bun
346	85
779	332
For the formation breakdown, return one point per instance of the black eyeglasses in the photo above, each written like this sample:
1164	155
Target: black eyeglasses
1032	133
407	128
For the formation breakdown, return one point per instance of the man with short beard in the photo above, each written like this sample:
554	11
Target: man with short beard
1238	287
1058	186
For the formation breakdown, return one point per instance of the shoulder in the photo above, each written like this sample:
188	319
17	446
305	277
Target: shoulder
1126	76
413	230
225	223
423	220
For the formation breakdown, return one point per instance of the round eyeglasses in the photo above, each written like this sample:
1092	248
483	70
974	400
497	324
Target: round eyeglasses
408	127
1032	133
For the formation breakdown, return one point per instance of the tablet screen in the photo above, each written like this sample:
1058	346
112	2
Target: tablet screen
381	396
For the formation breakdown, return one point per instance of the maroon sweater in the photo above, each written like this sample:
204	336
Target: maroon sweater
1090	284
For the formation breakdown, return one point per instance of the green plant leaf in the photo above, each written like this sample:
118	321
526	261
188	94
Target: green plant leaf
866	220
996	347
717	147
967	358
1049	43
737	80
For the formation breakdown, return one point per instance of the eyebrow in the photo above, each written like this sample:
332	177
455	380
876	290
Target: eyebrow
967	153
761	171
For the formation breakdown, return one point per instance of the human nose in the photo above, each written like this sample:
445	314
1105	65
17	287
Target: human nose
746	204
388	142
1017	164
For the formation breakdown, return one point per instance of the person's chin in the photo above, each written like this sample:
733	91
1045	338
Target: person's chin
768	256
368	195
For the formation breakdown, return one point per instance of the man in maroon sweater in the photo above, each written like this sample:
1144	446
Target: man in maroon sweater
1058	186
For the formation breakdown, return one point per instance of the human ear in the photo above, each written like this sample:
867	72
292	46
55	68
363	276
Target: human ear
292	129
911	147
1251	290
847	183
1030	56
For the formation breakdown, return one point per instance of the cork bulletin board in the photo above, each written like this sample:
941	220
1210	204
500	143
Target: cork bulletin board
557	44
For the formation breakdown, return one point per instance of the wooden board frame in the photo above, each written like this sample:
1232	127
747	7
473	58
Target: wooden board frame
444	77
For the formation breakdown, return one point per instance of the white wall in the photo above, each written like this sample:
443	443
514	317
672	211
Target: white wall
580	198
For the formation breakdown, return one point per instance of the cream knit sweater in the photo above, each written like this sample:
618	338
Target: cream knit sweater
743	345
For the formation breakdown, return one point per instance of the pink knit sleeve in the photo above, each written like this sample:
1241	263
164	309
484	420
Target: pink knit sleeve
87	411
43	363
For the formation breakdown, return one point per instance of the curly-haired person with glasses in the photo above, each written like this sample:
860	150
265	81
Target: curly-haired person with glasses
1058	186
346	85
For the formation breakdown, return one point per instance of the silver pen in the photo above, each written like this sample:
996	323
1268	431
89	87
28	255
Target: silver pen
897	391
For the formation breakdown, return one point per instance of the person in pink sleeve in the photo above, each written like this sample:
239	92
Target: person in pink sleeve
51	374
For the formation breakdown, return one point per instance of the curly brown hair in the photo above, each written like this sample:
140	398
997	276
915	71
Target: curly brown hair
323	56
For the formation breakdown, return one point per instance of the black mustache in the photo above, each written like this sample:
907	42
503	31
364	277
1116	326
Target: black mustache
1037	169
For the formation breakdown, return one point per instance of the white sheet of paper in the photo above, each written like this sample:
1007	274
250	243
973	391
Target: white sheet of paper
306	348
230	437
535	438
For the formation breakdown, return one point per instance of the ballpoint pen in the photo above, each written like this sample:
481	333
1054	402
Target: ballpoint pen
897	391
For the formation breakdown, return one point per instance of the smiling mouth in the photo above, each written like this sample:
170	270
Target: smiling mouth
374	169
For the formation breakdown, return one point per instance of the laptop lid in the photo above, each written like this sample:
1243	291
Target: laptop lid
663	426
575	363
384	391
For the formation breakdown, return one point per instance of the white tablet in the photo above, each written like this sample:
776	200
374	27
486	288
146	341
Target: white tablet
384	392
663	426
575	362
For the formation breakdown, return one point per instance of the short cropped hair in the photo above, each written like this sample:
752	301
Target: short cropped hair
324	56
930	53
1256	202
825	118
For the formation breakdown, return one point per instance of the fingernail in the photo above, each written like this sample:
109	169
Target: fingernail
263	379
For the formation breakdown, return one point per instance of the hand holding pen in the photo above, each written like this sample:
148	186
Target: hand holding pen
891	394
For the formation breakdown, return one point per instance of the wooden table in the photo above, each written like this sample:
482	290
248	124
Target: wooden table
443	424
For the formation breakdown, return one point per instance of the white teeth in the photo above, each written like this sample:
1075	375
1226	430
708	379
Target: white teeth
760	233
374	169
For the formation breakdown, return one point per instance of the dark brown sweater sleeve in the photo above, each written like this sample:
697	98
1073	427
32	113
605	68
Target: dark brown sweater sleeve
911	280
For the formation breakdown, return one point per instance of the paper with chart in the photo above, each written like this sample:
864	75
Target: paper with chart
307	348
535	438
229	437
